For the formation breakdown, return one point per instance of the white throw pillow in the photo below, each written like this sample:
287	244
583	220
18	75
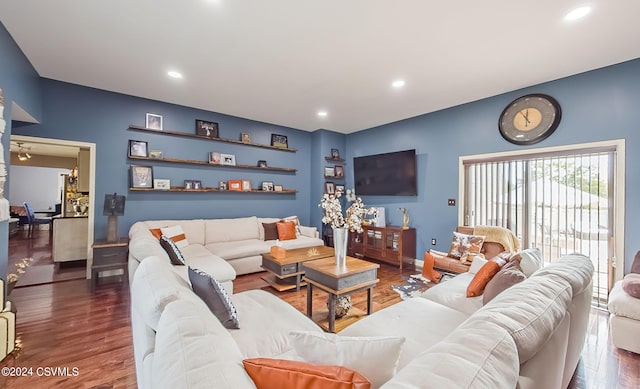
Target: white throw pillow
531	260
177	235
478	261
374	357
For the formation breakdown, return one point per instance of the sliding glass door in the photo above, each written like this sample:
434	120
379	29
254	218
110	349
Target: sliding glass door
560	202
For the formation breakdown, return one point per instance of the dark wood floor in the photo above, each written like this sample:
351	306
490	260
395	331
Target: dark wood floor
62	324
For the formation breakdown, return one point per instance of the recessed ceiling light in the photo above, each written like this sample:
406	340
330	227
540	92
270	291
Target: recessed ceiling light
398	83
323	114
578	13
174	74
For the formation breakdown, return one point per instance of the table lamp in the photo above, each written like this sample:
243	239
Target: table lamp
113	207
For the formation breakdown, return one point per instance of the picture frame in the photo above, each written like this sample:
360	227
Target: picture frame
215	158
228	159
235	185
329	188
222	185
206	128
153	121
141	176
340	188
156	154
262	163
246	186
245	137
278	188
267	186
161	184
138	148
197	184
188	184
339	171
329	171
279	141
335	154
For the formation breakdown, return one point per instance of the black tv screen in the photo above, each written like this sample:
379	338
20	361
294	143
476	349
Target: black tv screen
389	174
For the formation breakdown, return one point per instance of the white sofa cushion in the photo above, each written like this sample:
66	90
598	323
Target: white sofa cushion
298	243
453	294
422	322
375	357
192	228
193	350
531	260
622	304
476	355
234	250
265	321
230	230
155	285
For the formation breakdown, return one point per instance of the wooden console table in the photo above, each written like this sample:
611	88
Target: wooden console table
389	244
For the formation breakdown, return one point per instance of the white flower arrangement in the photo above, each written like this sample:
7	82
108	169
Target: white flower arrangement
355	213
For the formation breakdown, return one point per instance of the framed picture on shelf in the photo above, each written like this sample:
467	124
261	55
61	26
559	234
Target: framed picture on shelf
155	154
267	186
245	137
222	185
141	176
161	184
278	188
329	188
138	148
339	170
228	159
214	158
153	121
262	163
329	171
205	128
235	185
246	186
340	189
280	141
335	154
188	184
197	184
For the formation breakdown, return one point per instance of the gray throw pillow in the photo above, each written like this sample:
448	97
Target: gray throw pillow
631	285
172	250
215	296
509	275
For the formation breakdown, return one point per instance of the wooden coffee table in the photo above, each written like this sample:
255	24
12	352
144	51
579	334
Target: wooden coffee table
286	273
325	275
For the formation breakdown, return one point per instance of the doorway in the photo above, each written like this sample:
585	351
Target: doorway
59	161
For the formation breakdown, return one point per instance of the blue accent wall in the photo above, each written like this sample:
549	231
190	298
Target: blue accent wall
20	83
597	105
85	114
322	143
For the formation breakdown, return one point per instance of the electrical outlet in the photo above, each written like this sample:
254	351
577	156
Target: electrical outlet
433	241
451	202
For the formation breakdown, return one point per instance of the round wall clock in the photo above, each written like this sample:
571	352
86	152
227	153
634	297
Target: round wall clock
530	119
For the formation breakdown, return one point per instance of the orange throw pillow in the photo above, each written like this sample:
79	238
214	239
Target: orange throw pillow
156	232
485	274
286	230
428	271
279	373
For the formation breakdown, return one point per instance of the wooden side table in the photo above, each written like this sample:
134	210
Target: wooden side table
109	256
325	275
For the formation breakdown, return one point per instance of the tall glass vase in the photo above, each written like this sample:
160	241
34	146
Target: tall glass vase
340	236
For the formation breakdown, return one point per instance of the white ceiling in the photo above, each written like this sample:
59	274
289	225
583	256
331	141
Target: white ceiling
43	148
280	61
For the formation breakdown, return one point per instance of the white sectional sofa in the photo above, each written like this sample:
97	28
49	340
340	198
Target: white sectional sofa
220	247
530	335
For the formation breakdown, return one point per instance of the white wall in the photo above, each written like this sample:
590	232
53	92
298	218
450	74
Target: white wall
39	186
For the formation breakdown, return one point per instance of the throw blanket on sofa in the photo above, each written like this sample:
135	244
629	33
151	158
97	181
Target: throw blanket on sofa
501	235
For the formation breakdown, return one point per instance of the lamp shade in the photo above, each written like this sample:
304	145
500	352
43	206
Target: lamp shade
113	205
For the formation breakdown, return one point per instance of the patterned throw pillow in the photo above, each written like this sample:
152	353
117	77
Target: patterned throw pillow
465	247
172	250
215	296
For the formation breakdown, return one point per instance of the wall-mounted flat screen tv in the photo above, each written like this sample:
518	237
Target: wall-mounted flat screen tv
389	174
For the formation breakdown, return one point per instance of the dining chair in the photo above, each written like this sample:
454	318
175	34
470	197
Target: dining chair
32	220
